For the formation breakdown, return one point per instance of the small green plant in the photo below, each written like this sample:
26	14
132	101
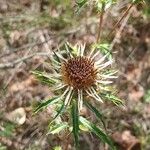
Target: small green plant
7	130
78	79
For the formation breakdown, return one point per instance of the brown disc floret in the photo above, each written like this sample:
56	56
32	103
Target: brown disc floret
79	72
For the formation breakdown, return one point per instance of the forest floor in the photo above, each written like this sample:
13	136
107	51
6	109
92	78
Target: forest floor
29	30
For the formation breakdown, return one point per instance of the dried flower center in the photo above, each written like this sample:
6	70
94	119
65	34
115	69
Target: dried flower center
79	72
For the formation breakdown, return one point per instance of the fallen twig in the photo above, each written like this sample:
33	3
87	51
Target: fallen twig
118	34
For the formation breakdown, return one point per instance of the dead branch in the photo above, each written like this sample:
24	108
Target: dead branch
120	20
118	34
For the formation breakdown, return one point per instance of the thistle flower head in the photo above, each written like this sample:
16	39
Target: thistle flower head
78	75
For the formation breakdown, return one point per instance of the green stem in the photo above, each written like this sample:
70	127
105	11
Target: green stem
75	122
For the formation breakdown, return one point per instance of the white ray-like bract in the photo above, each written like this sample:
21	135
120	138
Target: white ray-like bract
106	64
65	92
94	95
94	91
82	48
101	60
91	53
59	87
68	97
95	55
104	82
109	76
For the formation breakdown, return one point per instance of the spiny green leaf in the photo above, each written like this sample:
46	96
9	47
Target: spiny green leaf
59	112
46	103
93	128
105	49
75	121
96	112
44	78
57	128
113	99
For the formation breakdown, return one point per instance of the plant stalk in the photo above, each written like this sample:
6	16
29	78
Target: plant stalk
100	23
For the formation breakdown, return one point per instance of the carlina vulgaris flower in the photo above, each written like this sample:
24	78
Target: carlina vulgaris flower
77	74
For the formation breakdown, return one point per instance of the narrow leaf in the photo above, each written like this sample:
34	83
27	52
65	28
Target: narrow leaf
44	78
57	128
93	128
96	112
75	121
61	109
46	103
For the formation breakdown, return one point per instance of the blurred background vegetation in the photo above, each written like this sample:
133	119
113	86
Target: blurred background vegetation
29	29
